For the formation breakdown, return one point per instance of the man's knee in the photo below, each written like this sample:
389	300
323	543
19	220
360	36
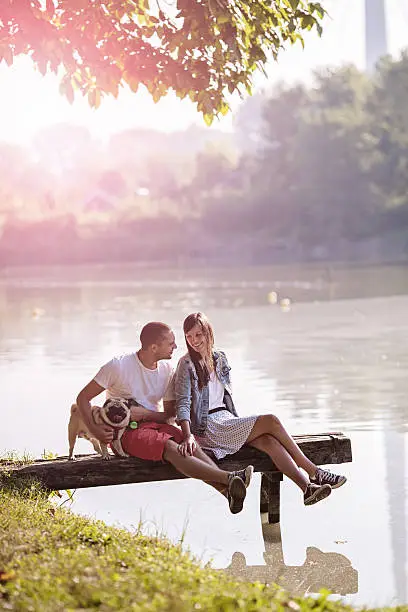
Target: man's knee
198	452
170	447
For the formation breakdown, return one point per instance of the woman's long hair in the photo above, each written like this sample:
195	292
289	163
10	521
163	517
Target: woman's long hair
203	365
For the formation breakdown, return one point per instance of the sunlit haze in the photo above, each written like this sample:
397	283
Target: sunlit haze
30	101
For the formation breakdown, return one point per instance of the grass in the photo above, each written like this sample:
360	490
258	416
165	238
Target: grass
12	458
52	560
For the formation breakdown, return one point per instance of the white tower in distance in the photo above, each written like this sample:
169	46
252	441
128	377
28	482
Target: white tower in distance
375	32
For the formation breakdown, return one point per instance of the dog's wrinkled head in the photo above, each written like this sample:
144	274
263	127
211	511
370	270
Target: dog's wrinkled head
116	412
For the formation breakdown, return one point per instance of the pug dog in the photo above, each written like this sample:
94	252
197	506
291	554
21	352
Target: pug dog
114	412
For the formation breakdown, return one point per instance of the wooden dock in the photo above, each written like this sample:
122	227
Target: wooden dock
93	471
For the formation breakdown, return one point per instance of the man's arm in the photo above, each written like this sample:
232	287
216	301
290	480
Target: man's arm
169	407
104	433
138	413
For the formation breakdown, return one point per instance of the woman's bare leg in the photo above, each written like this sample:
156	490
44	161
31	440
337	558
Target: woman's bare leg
281	458
270	424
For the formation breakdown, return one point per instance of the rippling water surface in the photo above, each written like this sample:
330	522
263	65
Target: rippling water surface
323	348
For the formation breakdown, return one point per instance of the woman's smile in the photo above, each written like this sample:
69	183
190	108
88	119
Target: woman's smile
196	339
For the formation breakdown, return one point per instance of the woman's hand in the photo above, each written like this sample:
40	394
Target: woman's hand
188	446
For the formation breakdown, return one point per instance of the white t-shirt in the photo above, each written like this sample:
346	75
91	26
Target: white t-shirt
215	391
125	376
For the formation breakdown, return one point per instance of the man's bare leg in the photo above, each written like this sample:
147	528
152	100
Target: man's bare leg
206	470
200	454
195	466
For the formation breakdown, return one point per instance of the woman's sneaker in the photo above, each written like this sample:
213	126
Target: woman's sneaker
245	474
315	493
236	493
323	477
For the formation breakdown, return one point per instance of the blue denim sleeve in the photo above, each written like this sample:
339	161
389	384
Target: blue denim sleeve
183	391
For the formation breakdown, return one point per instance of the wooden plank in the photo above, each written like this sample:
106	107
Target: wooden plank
93	471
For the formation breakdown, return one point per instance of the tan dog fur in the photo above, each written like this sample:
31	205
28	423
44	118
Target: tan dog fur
100	414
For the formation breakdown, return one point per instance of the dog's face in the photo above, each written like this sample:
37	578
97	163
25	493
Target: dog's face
116	412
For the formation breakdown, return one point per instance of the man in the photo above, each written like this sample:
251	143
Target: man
147	377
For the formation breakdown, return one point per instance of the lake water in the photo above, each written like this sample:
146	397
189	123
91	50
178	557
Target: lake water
334	359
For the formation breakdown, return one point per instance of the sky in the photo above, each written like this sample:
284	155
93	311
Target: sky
29	101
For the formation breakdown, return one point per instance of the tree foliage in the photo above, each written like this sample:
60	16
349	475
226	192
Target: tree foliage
203	50
333	165
388	129
328	178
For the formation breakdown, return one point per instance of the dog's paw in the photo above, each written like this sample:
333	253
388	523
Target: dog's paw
73	458
106	457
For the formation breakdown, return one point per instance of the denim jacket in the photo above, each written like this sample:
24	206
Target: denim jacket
192	404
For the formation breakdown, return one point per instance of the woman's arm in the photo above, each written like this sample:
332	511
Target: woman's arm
183	391
189	445
183	407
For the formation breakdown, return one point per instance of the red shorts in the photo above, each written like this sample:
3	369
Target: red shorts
149	439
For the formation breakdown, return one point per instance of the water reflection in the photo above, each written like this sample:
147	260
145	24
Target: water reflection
395	453
321	365
320	570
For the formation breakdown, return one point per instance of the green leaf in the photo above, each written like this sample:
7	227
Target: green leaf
50	8
94	98
307	22
98	98
76	80
208	118
225	18
67	90
6	54
294	4
316	7
224	108
42	66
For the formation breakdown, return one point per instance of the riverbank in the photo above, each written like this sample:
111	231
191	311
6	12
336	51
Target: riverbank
53	560
161	241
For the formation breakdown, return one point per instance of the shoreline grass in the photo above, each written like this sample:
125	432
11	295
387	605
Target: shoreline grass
53	560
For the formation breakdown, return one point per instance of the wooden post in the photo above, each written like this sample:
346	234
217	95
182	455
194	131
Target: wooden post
270	495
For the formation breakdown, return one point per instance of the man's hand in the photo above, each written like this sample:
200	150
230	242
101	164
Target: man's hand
103	433
188	446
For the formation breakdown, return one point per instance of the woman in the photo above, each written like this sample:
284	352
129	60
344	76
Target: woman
205	410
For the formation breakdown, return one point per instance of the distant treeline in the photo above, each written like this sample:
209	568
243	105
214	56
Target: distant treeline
317	172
